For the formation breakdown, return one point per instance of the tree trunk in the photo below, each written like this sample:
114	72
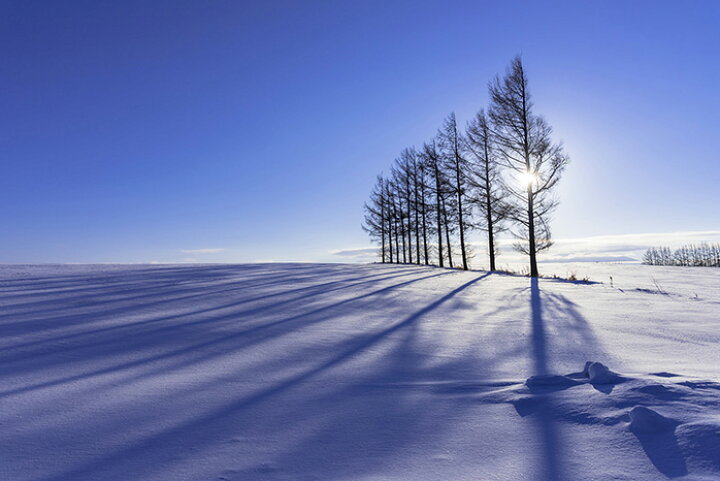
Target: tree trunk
424	228
447	236
397	233
382	230
462	230
404	244
417	217
491	239
458	188
390	243
531	235
409	235
438	197
488	209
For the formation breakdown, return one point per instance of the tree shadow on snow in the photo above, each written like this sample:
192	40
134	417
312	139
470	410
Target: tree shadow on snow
359	418
211	360
547	429
557	328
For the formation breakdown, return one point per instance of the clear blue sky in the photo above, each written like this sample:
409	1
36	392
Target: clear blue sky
134	131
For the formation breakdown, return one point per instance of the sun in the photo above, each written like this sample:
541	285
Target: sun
527	178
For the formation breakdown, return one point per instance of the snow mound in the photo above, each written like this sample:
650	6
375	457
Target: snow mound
662	392
644	419
599	373
550	380
702	441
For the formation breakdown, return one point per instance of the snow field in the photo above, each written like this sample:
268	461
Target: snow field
330	372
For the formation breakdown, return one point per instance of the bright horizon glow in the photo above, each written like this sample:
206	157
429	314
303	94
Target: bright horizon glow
236	131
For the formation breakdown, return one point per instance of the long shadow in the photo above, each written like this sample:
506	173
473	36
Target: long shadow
269	329
349	413
226	418
62	322
539	341
92	287
150	288
572	330
551	457
118	278
572	334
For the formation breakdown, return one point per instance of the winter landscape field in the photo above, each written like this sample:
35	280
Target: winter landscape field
427	240
362	372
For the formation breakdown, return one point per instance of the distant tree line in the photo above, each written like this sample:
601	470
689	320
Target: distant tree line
702	255
496	174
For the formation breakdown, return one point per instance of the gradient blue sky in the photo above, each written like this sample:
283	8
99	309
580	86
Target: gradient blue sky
135	131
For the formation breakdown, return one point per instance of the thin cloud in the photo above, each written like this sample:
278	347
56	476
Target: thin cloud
362	252
202	251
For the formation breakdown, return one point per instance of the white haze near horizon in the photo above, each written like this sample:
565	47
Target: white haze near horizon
608	248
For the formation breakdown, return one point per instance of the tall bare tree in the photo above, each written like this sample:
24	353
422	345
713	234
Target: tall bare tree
485	182
415	175
534	162
457	167
392	200
423	194
432	160
388	217
406	172
375	222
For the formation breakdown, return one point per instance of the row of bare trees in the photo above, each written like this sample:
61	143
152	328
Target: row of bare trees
703	254
496	174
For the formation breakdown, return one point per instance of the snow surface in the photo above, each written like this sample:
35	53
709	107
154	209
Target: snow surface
332	372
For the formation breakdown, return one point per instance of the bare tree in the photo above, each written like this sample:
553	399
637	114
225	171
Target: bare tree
485	180
396	220
422	189
432	161
387	187
406	172
534	162
456	165
418	200
375	222
702	255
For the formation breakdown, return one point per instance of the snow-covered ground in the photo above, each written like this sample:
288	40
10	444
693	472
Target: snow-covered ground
357	372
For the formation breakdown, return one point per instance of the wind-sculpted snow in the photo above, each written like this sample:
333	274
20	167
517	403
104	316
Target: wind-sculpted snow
332	372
